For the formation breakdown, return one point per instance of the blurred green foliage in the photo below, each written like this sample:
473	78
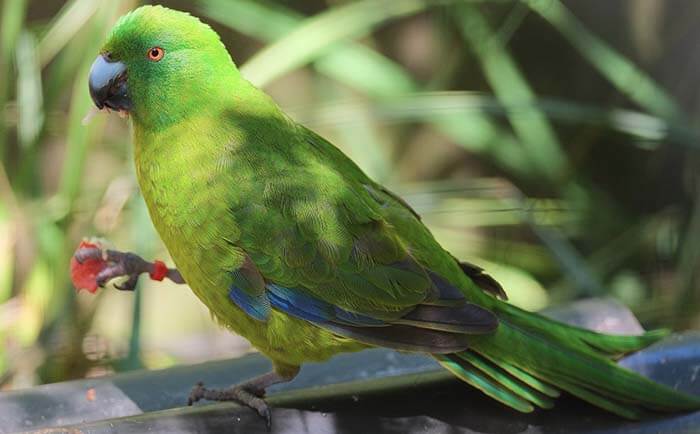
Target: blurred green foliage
552	142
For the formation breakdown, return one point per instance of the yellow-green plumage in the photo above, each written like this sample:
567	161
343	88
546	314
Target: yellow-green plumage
202	233
290	245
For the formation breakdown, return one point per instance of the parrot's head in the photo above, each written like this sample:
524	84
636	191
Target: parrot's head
158	65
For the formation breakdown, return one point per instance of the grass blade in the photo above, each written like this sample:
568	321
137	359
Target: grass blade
434	106
350	63
511	88
67	23
29	91
620	71
318	35
571	261
13	13
80	136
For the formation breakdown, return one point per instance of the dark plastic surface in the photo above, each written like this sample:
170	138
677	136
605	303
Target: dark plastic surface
376	391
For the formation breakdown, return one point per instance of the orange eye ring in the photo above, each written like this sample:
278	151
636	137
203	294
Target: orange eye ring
155	54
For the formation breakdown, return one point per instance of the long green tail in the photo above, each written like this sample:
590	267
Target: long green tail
530	359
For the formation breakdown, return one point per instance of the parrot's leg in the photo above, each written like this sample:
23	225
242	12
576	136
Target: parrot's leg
123	264
249	393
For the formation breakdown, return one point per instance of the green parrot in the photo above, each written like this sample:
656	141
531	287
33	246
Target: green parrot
293	247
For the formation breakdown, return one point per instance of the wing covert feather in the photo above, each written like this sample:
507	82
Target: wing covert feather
320	237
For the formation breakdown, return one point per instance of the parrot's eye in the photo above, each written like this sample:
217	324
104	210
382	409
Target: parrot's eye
155	54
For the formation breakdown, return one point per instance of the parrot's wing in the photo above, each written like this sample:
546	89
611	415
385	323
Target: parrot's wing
318	239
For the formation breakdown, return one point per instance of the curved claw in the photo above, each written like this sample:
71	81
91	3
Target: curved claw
85	253
130	284
259	405
196	393
108	274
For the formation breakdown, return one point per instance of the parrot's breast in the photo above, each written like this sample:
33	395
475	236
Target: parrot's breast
192	186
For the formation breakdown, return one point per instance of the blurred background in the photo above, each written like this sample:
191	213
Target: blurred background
554	143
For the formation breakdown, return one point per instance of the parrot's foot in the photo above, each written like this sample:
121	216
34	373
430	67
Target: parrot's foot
250	393
126	264
242	394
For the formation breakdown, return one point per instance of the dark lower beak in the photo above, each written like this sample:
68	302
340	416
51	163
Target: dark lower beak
108	84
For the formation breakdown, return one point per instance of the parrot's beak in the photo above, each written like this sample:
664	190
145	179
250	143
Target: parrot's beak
108	84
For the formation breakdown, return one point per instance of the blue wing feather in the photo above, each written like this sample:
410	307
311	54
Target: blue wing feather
430	328
299	304
255	305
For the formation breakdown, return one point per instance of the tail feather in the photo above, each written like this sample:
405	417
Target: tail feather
624	410
619	345
510	382
531	358
472	376
526	378
596	343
